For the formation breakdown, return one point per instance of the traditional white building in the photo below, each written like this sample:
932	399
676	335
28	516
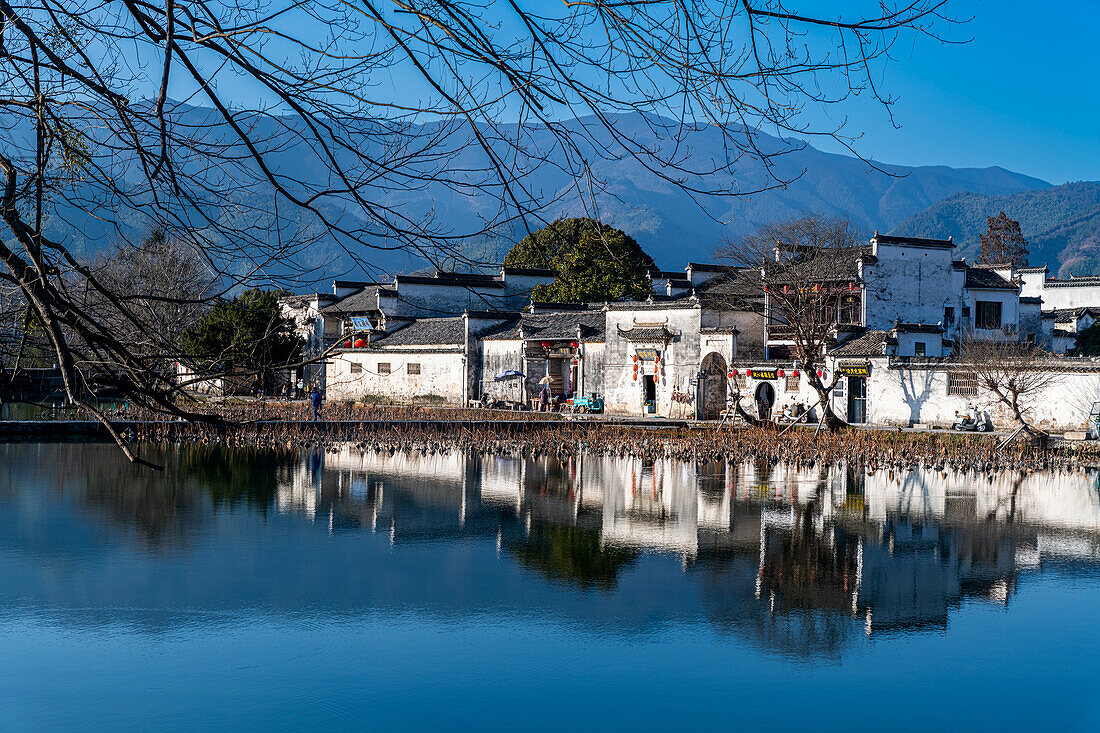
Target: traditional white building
704	334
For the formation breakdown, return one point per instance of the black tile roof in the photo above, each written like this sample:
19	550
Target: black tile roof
361	301
869	344
552	326
914	241
736	289
917	327
424	332
452	280
655	304
647	334
982	279
529	271
705	267
1072	282
1064	315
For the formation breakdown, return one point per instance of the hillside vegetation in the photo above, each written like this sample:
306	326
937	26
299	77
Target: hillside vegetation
1062	224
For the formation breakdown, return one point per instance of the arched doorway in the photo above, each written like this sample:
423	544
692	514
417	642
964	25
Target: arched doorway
714	385
765	400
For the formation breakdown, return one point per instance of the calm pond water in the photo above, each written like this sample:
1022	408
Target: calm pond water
253	590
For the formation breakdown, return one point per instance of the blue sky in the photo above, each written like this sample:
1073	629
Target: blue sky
1024	94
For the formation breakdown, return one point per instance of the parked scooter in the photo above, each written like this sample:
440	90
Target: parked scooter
971	421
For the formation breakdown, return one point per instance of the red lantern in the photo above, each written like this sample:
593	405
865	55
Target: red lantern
851	286
819	374
347	344
729	375
574	344
748	372
360	344
795	374
635	358
546	344
781	373
735	372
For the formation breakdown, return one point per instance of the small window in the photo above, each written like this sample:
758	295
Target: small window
966	311
356	368
919	348
739	381
960	384
988	315
383	367
414	367
949	315
791	384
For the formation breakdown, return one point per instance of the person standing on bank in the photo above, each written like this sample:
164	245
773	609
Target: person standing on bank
316	404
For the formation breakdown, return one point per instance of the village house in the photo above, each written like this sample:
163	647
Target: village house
703	336
435	360
325	320
556	345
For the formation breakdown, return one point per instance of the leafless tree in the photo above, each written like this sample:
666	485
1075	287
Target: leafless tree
1014	371
131	115
808	270
166	286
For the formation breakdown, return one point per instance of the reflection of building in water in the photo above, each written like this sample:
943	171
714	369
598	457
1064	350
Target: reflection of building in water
889	550
299	486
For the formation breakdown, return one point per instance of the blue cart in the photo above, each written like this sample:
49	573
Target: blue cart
588	403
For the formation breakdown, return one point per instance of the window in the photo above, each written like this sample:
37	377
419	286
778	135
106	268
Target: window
961	384
966	311
356	368
948	316
791	384
383	367
740	381
414	367
850	310
988	315
919	348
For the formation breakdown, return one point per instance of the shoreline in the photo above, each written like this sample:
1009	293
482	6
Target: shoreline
535	435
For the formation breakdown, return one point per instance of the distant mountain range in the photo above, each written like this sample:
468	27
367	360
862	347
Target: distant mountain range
1061	224
665	220
675	229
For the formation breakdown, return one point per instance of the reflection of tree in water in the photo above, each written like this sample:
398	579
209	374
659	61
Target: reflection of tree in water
806	572
236	476
573	554
795	599
727	583
166	504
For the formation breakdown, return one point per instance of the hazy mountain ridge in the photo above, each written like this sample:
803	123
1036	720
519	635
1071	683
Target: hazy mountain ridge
1061	224
665	220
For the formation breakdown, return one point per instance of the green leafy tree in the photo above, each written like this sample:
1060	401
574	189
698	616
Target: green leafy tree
1088	341
594	262
245	335
1003	243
